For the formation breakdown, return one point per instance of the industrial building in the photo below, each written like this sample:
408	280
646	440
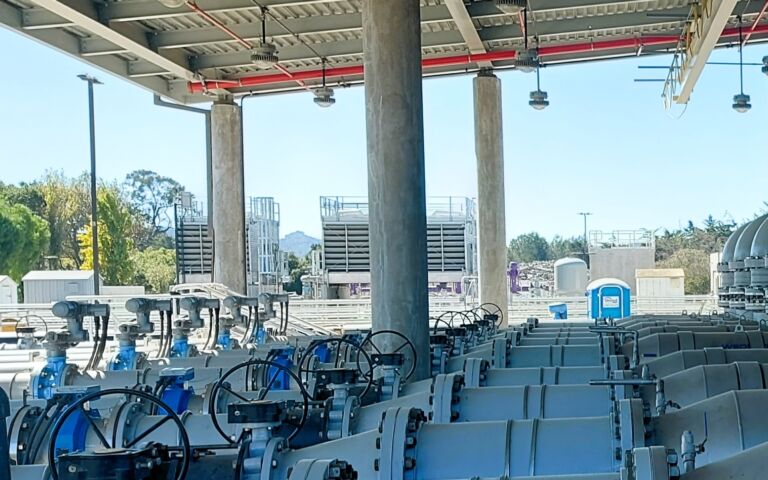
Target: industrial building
225	381
44	286
265	262
619	254
346	245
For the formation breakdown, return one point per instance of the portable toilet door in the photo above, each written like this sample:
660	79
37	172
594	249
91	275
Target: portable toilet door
608	299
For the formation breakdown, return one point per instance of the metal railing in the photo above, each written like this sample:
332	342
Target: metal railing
329	316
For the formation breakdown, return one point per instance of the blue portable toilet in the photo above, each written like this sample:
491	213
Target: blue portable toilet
608	298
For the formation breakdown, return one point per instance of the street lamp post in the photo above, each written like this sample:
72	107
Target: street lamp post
94	207
586	248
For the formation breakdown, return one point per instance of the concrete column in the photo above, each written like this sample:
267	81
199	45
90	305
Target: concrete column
228	196
396	190
492	233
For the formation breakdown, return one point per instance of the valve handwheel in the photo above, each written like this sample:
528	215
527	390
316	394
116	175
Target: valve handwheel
306	359
378	342
79	406
493	309
222	384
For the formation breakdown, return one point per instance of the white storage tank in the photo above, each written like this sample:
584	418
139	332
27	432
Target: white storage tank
8	290
570	276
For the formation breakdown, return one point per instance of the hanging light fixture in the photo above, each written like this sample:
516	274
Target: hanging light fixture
741	101
538	97
527	59
765	65
512	7
324	95
264	55
173	3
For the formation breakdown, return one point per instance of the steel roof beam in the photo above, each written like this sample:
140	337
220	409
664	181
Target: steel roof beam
132	38
69	45
595	26
129	11
701	44
327	24
328	50
333	50
136	10
466	26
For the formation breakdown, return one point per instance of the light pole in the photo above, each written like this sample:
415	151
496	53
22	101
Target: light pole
586	248
94	207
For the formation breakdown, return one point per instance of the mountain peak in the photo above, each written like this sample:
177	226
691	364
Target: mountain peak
298	243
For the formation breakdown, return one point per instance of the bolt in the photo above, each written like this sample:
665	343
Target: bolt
409	463
274	463
72	469
237	413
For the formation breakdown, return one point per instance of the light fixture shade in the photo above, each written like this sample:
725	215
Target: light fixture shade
512	7
539	100
172	3
324	97
527	60
264	55
741	103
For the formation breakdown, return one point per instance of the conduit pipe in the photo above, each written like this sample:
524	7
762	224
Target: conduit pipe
464	59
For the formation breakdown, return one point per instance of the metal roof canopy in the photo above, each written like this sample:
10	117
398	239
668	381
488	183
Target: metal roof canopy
170	50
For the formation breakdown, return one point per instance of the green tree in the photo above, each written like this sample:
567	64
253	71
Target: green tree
297	267
155	269
67	210
27	194
528	247
695	264
152	196
116	246
24	239
561	247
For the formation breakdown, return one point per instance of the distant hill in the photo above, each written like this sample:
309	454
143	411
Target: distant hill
298	242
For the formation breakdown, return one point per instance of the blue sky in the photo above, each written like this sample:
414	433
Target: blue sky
605	144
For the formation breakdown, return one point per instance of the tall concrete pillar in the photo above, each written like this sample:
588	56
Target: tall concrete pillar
396	185
491	227
228	196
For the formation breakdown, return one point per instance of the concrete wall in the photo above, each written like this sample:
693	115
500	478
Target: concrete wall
123	290
620	263
661	287
714	275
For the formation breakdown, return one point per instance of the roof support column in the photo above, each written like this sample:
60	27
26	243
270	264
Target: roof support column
491	225
396	183
228	196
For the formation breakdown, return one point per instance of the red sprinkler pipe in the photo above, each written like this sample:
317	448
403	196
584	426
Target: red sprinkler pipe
754	24
465	59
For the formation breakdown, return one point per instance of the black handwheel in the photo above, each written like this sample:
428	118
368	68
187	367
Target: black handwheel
493	309
306	358
222	385
440	320
79	406
369	339
469	326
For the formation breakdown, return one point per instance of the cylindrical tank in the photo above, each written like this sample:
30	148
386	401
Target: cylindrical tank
726	273
756	263
741	274
570	276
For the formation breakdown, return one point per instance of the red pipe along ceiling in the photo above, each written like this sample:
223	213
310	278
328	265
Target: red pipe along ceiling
464	59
